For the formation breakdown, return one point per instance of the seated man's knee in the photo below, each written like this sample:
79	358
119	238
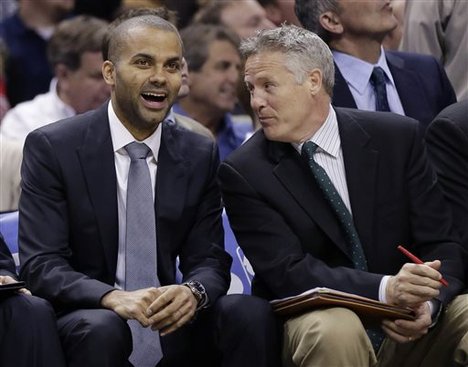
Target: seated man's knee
328	328
247	312
95	329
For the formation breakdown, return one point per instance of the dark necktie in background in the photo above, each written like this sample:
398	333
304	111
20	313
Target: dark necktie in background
377	80
140	250
355	249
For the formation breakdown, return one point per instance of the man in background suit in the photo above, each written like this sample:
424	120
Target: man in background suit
447	144
29	336
416	85
74	216
296	241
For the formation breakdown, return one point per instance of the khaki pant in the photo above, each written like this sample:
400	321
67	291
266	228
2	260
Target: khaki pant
336	337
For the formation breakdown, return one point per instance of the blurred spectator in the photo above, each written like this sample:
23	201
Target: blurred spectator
440	28
74	52
104	9
7	7
214	63
25	34
280	11
368	77
243	17
185	9
392	40
4	104
11	154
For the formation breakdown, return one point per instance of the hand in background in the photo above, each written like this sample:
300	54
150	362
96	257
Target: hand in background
6	279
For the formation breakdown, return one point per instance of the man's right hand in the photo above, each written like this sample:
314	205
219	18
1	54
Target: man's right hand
414	284
131	305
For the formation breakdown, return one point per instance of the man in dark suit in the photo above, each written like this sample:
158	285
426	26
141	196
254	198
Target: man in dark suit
28	335
447	144
334	218
77	246
415	85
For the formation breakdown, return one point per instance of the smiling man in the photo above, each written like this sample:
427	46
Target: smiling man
124	193
214	64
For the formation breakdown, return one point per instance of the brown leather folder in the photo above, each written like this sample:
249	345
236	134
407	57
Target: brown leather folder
370	311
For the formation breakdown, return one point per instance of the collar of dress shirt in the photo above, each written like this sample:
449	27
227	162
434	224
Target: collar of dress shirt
357	72
121	136
327	137
65	110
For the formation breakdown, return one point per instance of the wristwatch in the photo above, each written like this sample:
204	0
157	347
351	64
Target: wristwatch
198	291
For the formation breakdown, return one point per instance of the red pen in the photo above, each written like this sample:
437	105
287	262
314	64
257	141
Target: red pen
417	260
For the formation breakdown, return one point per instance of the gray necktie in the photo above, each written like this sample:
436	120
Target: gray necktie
140	250
377	80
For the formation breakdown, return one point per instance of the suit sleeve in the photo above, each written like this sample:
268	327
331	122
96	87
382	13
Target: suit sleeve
45	251
202	255
448	150
278	255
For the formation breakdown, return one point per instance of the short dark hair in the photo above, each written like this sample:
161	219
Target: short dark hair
309	11
119	28
197	39
211	13
73	37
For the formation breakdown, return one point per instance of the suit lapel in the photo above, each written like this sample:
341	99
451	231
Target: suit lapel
341	94
408	86
294	175
97	160
171	183
360	161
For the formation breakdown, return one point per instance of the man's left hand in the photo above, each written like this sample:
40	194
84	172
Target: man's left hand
172	309
404	331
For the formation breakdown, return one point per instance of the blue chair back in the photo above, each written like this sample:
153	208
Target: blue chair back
9	230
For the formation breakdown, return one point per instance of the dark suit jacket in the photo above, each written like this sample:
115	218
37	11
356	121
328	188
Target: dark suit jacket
290	234
422	84
68	231
7	264
447	143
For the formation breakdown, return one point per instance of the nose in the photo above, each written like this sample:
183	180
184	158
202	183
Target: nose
257	102
157	76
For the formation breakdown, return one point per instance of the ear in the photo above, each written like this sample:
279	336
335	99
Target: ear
108	74
315	81
330	21
61	72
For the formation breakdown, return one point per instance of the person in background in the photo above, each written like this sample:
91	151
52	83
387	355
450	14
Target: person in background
280	11
367	76
321	196
440	28
125	194
214	63
74	53
28	335
244	18
447	145
25	34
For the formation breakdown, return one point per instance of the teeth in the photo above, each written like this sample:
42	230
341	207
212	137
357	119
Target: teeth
155	94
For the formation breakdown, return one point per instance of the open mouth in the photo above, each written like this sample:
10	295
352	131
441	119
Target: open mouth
154	97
